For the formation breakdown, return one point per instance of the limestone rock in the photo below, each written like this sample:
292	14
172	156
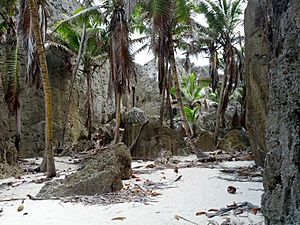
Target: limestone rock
273	74
205	141
256	74
100	175
236	139
155	140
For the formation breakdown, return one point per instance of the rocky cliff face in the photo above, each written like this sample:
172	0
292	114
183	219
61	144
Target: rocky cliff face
257	59
281	29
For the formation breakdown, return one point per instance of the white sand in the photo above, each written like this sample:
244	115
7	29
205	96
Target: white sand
199	189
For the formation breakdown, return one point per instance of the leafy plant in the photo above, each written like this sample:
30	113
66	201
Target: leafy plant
192	92
191	115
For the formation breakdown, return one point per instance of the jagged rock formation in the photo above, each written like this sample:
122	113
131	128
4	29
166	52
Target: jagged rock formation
276	24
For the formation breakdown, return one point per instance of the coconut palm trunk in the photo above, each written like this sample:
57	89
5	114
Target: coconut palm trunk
89	103
48	160
118	118
18	130
122	67
185	124
83	43
225	90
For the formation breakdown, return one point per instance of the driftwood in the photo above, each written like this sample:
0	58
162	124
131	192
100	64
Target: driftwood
236	206
12	199
177	217
40	199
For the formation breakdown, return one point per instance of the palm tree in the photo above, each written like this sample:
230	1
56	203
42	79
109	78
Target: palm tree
222	18
33	36
167	21
121	63
90	44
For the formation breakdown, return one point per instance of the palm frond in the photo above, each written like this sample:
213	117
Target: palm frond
122	67
183	11
68	35
11	81
81	14
28	39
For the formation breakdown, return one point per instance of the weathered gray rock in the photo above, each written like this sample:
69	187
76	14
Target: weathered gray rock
205	141
155	140
147	95
235	139
277	23
256	74
100	175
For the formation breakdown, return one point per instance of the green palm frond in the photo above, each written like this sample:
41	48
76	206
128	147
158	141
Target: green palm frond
183	11
68	35
191	114
11	81
80	15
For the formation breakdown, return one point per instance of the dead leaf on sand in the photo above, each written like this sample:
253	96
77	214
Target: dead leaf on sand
121	218
200	213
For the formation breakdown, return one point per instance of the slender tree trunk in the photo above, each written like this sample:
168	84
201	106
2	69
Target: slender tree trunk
83	42
220	106
133	97
176	82
89	104
169	104
162	103
51	172
162	108
18	130
225	90
118	117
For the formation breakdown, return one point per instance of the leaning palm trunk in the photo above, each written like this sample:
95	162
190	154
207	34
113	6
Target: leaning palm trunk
49	160
83	43
89	103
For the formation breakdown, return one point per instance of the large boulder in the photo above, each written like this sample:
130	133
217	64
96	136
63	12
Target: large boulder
100	175
257	48
234	140
154	140
273	29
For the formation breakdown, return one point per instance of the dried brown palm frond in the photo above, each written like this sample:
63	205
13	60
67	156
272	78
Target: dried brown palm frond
28	40
121	62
